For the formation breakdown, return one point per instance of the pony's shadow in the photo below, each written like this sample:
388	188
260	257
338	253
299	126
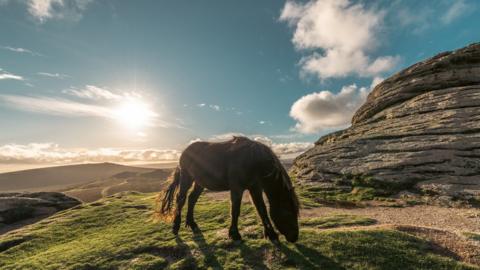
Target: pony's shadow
207	250
307	258
302	257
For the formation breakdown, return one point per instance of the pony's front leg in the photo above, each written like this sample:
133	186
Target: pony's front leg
236	201
257	197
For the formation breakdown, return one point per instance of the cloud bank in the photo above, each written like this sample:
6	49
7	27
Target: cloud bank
283	150
50	153
339	37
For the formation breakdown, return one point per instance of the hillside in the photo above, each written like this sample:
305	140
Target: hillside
152	181
60	177
118	233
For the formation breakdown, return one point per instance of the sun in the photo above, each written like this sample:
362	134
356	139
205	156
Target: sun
134	114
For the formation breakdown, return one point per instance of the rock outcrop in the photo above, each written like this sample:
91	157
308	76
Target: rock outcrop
418	130
24	208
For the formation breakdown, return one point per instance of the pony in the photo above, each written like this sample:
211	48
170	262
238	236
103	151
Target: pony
236	165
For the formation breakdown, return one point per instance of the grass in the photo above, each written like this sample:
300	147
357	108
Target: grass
353	190
472	236
118	233
311	196
336	221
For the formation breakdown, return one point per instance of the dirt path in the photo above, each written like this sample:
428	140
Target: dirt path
450	219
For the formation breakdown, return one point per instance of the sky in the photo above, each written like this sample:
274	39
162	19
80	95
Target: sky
137	81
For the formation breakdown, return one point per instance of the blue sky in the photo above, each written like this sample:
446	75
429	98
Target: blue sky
124	81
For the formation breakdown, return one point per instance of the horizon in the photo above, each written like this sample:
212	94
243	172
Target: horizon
91	82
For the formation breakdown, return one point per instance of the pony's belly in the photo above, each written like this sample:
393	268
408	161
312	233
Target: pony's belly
213	184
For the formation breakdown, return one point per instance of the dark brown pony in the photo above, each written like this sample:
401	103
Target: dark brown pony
236	165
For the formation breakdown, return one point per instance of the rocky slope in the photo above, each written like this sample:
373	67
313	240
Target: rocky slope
418	130
18	209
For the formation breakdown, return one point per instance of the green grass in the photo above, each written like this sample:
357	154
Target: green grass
337	221
472	236
311	196
118	233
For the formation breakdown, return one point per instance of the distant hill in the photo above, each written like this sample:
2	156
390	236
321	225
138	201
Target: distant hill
151	181
60	177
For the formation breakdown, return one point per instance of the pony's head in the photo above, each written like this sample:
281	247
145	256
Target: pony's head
284	207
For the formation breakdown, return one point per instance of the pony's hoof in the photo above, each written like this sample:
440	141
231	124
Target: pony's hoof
193	226
235	236
272	237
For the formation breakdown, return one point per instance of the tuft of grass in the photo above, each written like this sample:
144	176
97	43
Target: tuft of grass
472	236
311	196
118	233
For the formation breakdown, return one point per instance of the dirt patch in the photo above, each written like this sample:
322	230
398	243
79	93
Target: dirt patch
456	220
447	243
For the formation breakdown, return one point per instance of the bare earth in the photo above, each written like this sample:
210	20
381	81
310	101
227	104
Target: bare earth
450	219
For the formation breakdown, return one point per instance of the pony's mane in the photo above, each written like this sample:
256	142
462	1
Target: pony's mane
265	153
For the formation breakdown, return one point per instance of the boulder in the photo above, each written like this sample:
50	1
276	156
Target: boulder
18	207
418	130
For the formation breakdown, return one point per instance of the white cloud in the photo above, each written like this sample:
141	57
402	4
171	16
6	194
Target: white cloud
458	8
375	82
131	110
43	10
214	107
283	150
48	153
96	93
326	110
424	16
344	33
20	50
53	75
56	106
4	75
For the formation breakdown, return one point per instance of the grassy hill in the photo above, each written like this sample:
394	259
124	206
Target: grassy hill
118	233
54	178
152	181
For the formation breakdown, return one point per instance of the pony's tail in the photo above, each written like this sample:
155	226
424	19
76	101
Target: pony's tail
166	199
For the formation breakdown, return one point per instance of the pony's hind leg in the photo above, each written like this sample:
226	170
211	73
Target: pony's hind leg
192	200
185	184
256	195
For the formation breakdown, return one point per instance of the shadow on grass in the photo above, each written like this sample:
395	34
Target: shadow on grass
307	258
299	256
207	250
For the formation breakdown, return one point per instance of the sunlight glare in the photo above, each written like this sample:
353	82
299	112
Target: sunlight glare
135	114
